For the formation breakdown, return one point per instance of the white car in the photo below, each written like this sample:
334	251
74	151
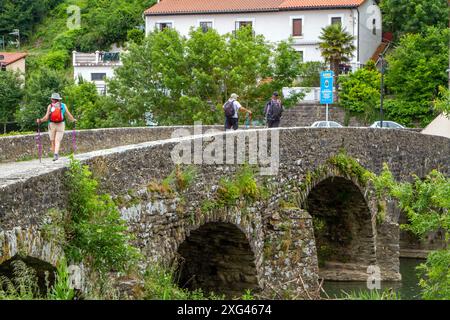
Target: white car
326	124
387	125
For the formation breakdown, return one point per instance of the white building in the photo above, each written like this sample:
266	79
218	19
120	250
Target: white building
95	67
277	20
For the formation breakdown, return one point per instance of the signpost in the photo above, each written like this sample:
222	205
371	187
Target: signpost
326	88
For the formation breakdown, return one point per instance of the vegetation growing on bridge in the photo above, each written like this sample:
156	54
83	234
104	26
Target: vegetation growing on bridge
243	187
24	285
179	180
91	229
426	203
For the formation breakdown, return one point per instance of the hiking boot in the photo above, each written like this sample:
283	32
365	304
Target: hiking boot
56	157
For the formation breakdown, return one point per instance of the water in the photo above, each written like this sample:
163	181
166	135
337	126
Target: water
408	288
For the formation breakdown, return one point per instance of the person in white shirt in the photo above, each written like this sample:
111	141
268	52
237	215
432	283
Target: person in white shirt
232	108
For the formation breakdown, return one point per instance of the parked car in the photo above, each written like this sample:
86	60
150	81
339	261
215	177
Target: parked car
326	124
387	125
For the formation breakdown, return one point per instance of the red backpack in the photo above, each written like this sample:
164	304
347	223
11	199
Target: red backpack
56	114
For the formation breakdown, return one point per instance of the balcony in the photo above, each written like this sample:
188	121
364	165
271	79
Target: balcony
98	58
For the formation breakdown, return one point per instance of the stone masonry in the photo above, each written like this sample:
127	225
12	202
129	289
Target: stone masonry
276	243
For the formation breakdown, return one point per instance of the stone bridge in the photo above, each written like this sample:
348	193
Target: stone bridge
317	219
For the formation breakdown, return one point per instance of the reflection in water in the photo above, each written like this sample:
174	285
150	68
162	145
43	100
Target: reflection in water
408	287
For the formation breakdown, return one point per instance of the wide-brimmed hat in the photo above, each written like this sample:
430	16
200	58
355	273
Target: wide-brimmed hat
56	96
234	96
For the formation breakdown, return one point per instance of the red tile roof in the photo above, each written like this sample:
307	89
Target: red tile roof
302	4
11	57
229	6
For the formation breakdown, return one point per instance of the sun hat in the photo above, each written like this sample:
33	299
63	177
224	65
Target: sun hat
234	96
56	96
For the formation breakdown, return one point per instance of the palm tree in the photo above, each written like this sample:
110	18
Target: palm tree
337	47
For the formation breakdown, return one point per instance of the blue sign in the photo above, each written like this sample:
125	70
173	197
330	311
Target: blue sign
326	87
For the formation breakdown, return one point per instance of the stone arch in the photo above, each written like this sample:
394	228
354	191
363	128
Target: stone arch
44	271
28	245
344	218
219	257
28	242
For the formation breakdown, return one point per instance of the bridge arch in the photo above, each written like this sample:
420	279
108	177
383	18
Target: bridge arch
344	219
218	257
29	269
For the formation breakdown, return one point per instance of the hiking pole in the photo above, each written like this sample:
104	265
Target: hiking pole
39	141
248	121
74	138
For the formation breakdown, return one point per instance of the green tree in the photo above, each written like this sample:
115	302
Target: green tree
337	47
426	203
310	73
416	69
38	89
360	93
442	104
413	16
11	94
23	15
172	80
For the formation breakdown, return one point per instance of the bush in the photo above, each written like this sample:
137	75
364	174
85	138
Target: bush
360	93
96	231
55	59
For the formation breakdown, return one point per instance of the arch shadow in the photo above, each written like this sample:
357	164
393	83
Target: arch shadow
344	220
218	257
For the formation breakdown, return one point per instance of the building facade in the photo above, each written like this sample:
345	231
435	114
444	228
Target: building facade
13	61
96	68
277	20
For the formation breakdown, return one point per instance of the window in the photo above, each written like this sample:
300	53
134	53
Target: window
336	20
98	76
374	26
206	25
300	55
297	27
243	24
163	25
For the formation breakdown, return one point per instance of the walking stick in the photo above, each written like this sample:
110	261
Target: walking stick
74	138
248	121
39	141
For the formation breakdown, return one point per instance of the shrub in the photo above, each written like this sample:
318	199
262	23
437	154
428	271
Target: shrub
93	228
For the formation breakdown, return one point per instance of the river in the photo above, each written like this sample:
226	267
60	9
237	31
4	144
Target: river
408	288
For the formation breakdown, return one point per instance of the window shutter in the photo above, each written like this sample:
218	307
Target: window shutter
297	27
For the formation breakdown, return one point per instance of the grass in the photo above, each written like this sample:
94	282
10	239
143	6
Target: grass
387	294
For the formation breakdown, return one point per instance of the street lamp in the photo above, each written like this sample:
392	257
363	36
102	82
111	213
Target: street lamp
382	90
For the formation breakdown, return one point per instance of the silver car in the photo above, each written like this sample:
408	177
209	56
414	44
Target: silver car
326	124
387	125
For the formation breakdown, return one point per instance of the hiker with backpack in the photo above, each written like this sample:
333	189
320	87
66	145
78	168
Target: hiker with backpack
232	108
273	111
56	114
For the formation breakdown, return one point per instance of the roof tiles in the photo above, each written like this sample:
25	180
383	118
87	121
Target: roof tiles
229	6
11	57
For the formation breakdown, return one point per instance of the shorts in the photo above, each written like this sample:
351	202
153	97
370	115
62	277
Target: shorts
56	131
231	123
273	123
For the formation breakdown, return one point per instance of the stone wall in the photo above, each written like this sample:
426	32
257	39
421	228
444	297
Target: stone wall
24	147
162	224
304	115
